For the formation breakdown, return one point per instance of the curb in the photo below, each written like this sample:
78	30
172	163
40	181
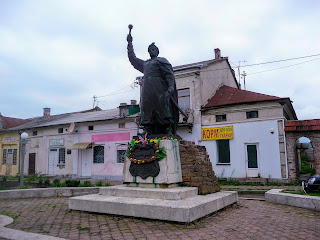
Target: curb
47	192
296	200
8	233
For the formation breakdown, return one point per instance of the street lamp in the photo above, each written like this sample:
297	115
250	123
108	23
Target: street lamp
23	141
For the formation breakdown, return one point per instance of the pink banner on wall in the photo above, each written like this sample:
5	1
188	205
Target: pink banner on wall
111	137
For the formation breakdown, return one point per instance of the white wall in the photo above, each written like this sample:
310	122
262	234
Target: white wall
243	133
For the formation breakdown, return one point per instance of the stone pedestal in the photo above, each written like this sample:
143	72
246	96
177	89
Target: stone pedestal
180	204
159	197
170	168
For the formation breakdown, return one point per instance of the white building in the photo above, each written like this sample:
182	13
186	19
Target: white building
83	144
210	94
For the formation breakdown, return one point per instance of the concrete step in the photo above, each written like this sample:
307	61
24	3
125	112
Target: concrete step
177	193
185	210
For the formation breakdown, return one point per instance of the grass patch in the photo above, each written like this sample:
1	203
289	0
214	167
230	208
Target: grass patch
301	193
23	187
99	184
79	227
12	215
4	187
86	184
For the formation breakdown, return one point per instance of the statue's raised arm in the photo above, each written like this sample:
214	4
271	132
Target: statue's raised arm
135	62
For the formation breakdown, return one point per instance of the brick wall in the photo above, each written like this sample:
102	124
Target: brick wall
197	168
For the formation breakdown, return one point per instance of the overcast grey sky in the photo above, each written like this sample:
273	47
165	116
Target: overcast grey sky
59	54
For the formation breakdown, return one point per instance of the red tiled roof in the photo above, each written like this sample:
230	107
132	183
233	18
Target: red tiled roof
226	95
303	125
13	122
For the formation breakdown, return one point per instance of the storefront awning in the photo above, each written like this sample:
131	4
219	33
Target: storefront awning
81	145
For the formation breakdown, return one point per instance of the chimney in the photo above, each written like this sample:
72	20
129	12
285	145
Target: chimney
217	53
133	102
46	112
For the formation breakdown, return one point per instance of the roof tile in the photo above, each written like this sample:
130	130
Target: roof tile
226	95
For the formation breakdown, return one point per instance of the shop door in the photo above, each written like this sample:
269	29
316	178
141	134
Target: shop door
53	161
9	161
32	164
252	160
87	159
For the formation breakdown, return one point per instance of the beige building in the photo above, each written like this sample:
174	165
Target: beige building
9	146
196	83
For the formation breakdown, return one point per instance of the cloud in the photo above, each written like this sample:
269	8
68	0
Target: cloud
67	51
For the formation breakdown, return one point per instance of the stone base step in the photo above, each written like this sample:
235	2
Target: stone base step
185	210
177	193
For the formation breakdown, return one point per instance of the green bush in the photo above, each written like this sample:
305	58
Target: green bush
305	168
23	187
47	182
86	184
4	187
107	184
56	183
40	181
72	183
4	178
99	184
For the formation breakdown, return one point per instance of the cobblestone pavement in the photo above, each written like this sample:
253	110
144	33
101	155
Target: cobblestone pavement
245	220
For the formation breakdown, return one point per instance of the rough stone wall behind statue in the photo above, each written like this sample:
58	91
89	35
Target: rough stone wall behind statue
197	168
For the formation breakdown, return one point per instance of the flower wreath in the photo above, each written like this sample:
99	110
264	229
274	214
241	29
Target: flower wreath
159	151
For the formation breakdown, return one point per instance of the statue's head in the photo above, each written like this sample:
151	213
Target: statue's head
153	50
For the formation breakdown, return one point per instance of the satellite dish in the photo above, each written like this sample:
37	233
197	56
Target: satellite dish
71	127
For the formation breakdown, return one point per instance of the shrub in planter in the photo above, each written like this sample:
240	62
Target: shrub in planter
99	184
72	183
47	182
86	184
56	183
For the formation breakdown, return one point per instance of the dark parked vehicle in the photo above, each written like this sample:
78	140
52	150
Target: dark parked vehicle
312	184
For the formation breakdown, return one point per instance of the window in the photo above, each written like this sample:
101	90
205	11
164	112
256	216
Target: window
90	128
12	152
62	156
223	151
122	125
14	157
121	153
184	98
60	130
221	118
124	111
34	133
252	114
4	159
98	154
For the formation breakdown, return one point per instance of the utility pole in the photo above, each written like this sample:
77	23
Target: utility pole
244	79
239	72
94	100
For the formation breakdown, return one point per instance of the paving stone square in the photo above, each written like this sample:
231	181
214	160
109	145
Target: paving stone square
244	220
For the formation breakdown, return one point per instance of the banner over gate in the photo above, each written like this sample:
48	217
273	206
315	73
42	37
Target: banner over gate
217	133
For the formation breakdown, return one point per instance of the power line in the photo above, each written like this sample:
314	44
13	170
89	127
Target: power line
262	63
284	66
282	60
116	92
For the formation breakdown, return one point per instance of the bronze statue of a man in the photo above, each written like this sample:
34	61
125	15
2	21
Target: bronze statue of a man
158	101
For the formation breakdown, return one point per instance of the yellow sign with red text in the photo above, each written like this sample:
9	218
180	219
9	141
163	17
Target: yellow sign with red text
217	133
